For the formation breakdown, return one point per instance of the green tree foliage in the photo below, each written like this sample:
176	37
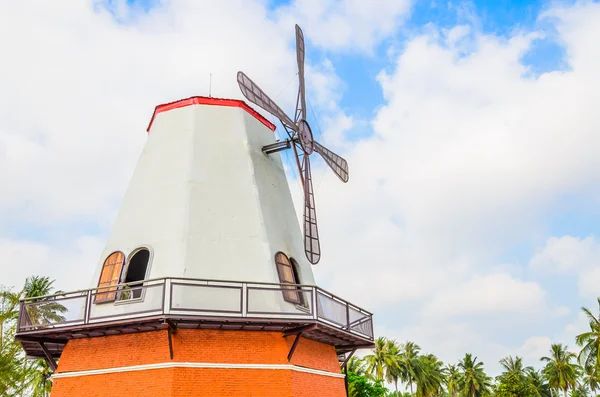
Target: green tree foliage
409	363
451	379
514	365
511	384
560	371
18	376
536	378
517	380
473	382
361	386
13	373
579	391
50	311
383	359
591	379
429	376
589	355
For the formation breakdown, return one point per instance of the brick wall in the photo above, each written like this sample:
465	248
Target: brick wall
202	346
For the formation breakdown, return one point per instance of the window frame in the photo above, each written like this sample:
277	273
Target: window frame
296	270
109	294
123	279
290	294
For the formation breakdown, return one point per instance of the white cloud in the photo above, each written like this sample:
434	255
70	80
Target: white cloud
568	254
456	34
533	348
70	265
493	293
470	156
346	25
562	311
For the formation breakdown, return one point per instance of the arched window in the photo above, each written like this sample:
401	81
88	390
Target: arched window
111	274
298	280
287	275
136	271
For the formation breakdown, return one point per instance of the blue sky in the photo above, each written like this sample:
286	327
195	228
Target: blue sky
472	179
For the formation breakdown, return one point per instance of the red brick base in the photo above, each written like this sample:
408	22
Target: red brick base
178	377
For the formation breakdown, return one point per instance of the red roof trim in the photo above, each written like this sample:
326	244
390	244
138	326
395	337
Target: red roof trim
202	100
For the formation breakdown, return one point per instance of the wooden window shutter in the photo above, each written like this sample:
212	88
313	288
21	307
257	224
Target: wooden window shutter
111	275
287	276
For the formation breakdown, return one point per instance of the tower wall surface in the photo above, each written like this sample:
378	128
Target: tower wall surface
205	363
208	204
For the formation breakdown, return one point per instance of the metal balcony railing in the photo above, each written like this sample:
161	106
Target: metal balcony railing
192	298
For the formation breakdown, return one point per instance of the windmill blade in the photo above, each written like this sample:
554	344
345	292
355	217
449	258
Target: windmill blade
312	248
258	96
337	164
300	58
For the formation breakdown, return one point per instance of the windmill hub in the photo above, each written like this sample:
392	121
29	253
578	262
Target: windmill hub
306	137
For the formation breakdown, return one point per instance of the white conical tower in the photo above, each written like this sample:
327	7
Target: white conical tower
206	201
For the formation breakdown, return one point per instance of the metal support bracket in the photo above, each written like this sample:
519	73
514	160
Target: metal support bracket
304	328
294	345
171	330
345	370
348	357
49	359
277	147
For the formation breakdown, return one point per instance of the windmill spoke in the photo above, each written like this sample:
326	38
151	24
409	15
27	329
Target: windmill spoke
312	247
337	163
298	154
300	59
256	95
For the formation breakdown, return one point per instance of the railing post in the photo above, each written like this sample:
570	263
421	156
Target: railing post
315	306
347	316
167	295
88	307
244	300
21	308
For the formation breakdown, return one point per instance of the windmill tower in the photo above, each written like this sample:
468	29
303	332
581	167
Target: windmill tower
205	284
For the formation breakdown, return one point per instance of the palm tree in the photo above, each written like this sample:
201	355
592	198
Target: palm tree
514	365
589	356
536	379
41	381
451	378
393	371
382	360
429	377
473	381
13	373
409	363
579	391
47	311
559	371
592	379
356	366
9	310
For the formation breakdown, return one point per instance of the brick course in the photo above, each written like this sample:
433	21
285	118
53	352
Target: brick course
203	346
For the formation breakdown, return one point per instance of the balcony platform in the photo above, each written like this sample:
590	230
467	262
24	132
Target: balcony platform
159	304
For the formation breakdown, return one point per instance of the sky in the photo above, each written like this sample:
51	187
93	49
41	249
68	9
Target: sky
470	128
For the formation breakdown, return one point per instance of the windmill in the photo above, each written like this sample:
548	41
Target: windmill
301	140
